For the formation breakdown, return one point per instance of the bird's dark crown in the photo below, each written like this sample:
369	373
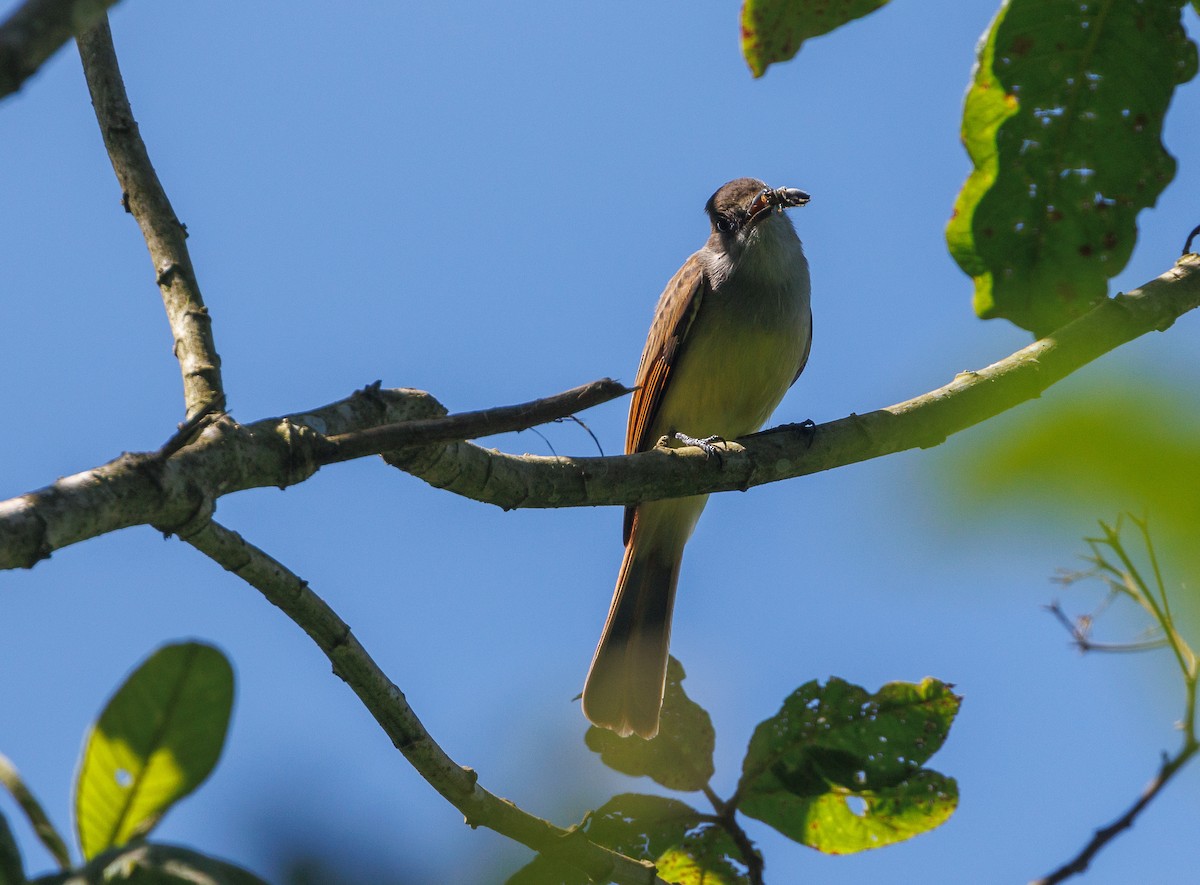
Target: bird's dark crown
741	204
732	200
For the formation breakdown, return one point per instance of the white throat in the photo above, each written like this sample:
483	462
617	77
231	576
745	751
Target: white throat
768	255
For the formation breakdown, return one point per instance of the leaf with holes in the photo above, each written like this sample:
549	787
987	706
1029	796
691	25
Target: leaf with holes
680	757
706	856
774	30
158	738
640	826
1063	124
839	770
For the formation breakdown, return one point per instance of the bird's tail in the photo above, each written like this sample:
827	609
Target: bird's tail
624	688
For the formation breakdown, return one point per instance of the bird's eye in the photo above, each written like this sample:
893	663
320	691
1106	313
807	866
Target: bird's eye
725	225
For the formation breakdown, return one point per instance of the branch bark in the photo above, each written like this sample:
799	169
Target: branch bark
470	425
385	701
143	197
181	482
783	453
36	30
168	491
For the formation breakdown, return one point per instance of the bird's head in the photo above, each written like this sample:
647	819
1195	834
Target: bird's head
740	206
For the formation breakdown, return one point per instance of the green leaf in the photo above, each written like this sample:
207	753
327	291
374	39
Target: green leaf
774	30
543	870
641	825
840	770
1063	124
11	870
158	738
680	757
702	858
636	825
154	865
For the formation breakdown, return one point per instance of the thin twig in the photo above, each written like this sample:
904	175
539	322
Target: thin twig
143	196
471	425
187	431
1129	582
1079	629
726	819
11	779
35	31
1144	527
384	700
1187	244
583	424
1136	587
1103	836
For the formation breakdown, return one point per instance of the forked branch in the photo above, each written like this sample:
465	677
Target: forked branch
229	457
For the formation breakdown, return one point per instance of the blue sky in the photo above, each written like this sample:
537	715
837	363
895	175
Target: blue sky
484	201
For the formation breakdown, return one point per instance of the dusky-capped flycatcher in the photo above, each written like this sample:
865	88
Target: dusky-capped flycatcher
730	335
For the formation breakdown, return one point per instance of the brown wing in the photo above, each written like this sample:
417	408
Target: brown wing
677	307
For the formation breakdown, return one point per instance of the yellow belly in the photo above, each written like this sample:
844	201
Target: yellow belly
729	380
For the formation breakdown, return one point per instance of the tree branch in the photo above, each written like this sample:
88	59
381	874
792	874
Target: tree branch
35	31
143	197
206	459
385	701
726	818
149	489
227	457
470	425
1104	835
783	453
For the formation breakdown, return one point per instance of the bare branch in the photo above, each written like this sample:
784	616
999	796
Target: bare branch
471	425
726	818
1080	629
1103	836
143	196
170	491
211	455
227	457
783	453
388	705
35	31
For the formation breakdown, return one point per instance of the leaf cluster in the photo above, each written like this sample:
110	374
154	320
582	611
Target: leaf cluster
837	769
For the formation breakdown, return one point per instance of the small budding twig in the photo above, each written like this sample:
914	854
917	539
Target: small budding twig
1125	579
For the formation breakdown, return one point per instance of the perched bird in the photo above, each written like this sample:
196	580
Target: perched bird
730	335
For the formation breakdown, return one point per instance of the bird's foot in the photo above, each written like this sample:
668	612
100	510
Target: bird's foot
705	445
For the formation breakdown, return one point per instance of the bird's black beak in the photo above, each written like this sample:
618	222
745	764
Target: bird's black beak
771	198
